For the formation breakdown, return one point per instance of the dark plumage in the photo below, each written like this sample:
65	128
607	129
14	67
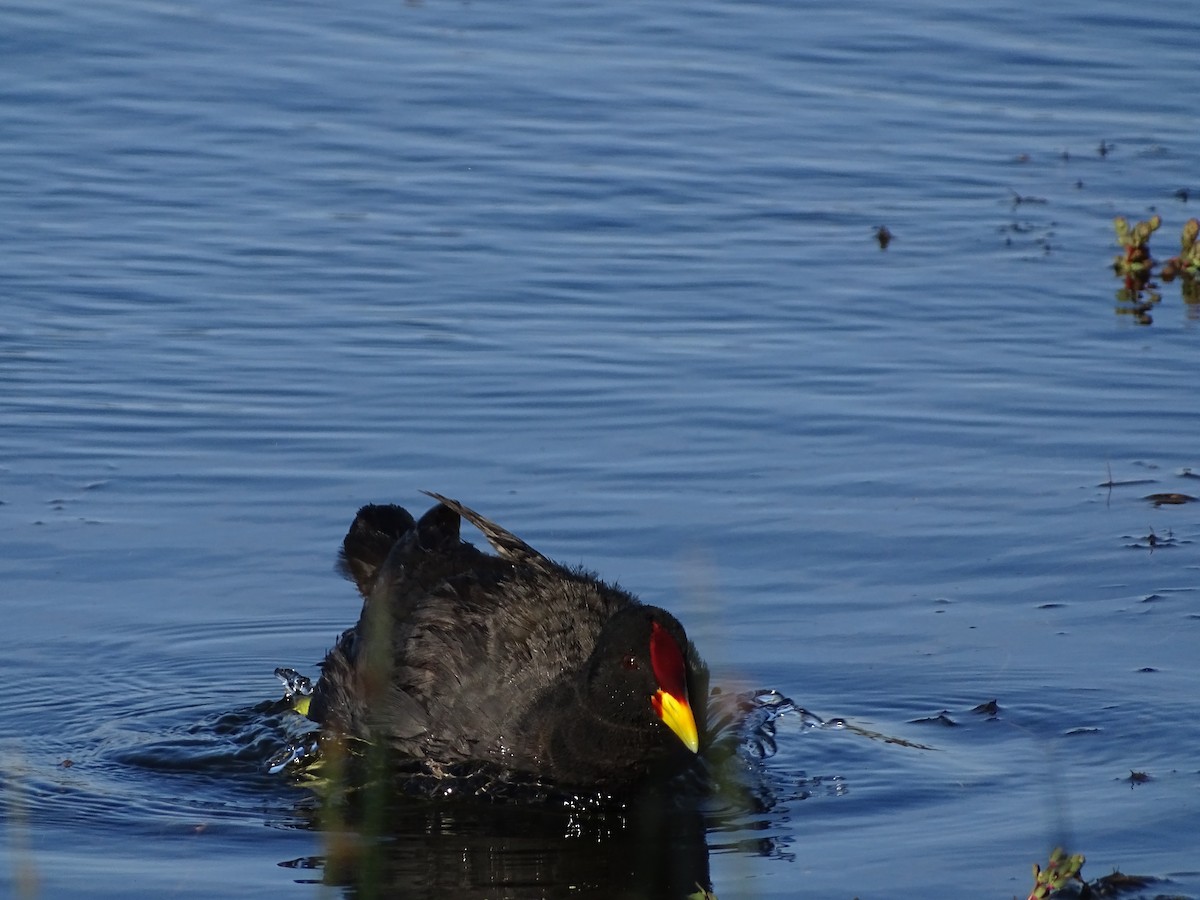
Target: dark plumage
511	660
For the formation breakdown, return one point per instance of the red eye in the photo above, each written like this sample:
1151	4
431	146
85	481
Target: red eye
630	662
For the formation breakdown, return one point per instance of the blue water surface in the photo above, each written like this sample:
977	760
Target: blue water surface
608	275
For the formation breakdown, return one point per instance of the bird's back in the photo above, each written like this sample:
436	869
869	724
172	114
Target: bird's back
455	646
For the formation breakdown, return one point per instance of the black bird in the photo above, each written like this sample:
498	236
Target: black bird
511	660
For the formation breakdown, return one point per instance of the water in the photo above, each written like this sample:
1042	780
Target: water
609	277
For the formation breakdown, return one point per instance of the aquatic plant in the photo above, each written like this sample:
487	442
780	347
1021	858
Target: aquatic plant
1135	264
1187	263
1061	870
1186	266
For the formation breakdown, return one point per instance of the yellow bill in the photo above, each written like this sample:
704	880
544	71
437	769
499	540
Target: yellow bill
677	715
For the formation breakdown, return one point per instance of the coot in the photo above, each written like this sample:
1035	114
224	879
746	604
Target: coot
510	659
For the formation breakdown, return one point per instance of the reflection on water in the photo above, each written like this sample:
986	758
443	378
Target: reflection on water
390	825
426	849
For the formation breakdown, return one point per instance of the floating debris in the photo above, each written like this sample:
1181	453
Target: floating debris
1020	199
942	718
1169	499
990	708
1119	881
1126	482
1152	542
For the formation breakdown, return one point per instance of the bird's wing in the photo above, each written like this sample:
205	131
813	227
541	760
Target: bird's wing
504	542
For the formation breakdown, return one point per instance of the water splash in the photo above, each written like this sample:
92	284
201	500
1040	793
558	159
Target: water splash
305	751
294	684
758	712
294	756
